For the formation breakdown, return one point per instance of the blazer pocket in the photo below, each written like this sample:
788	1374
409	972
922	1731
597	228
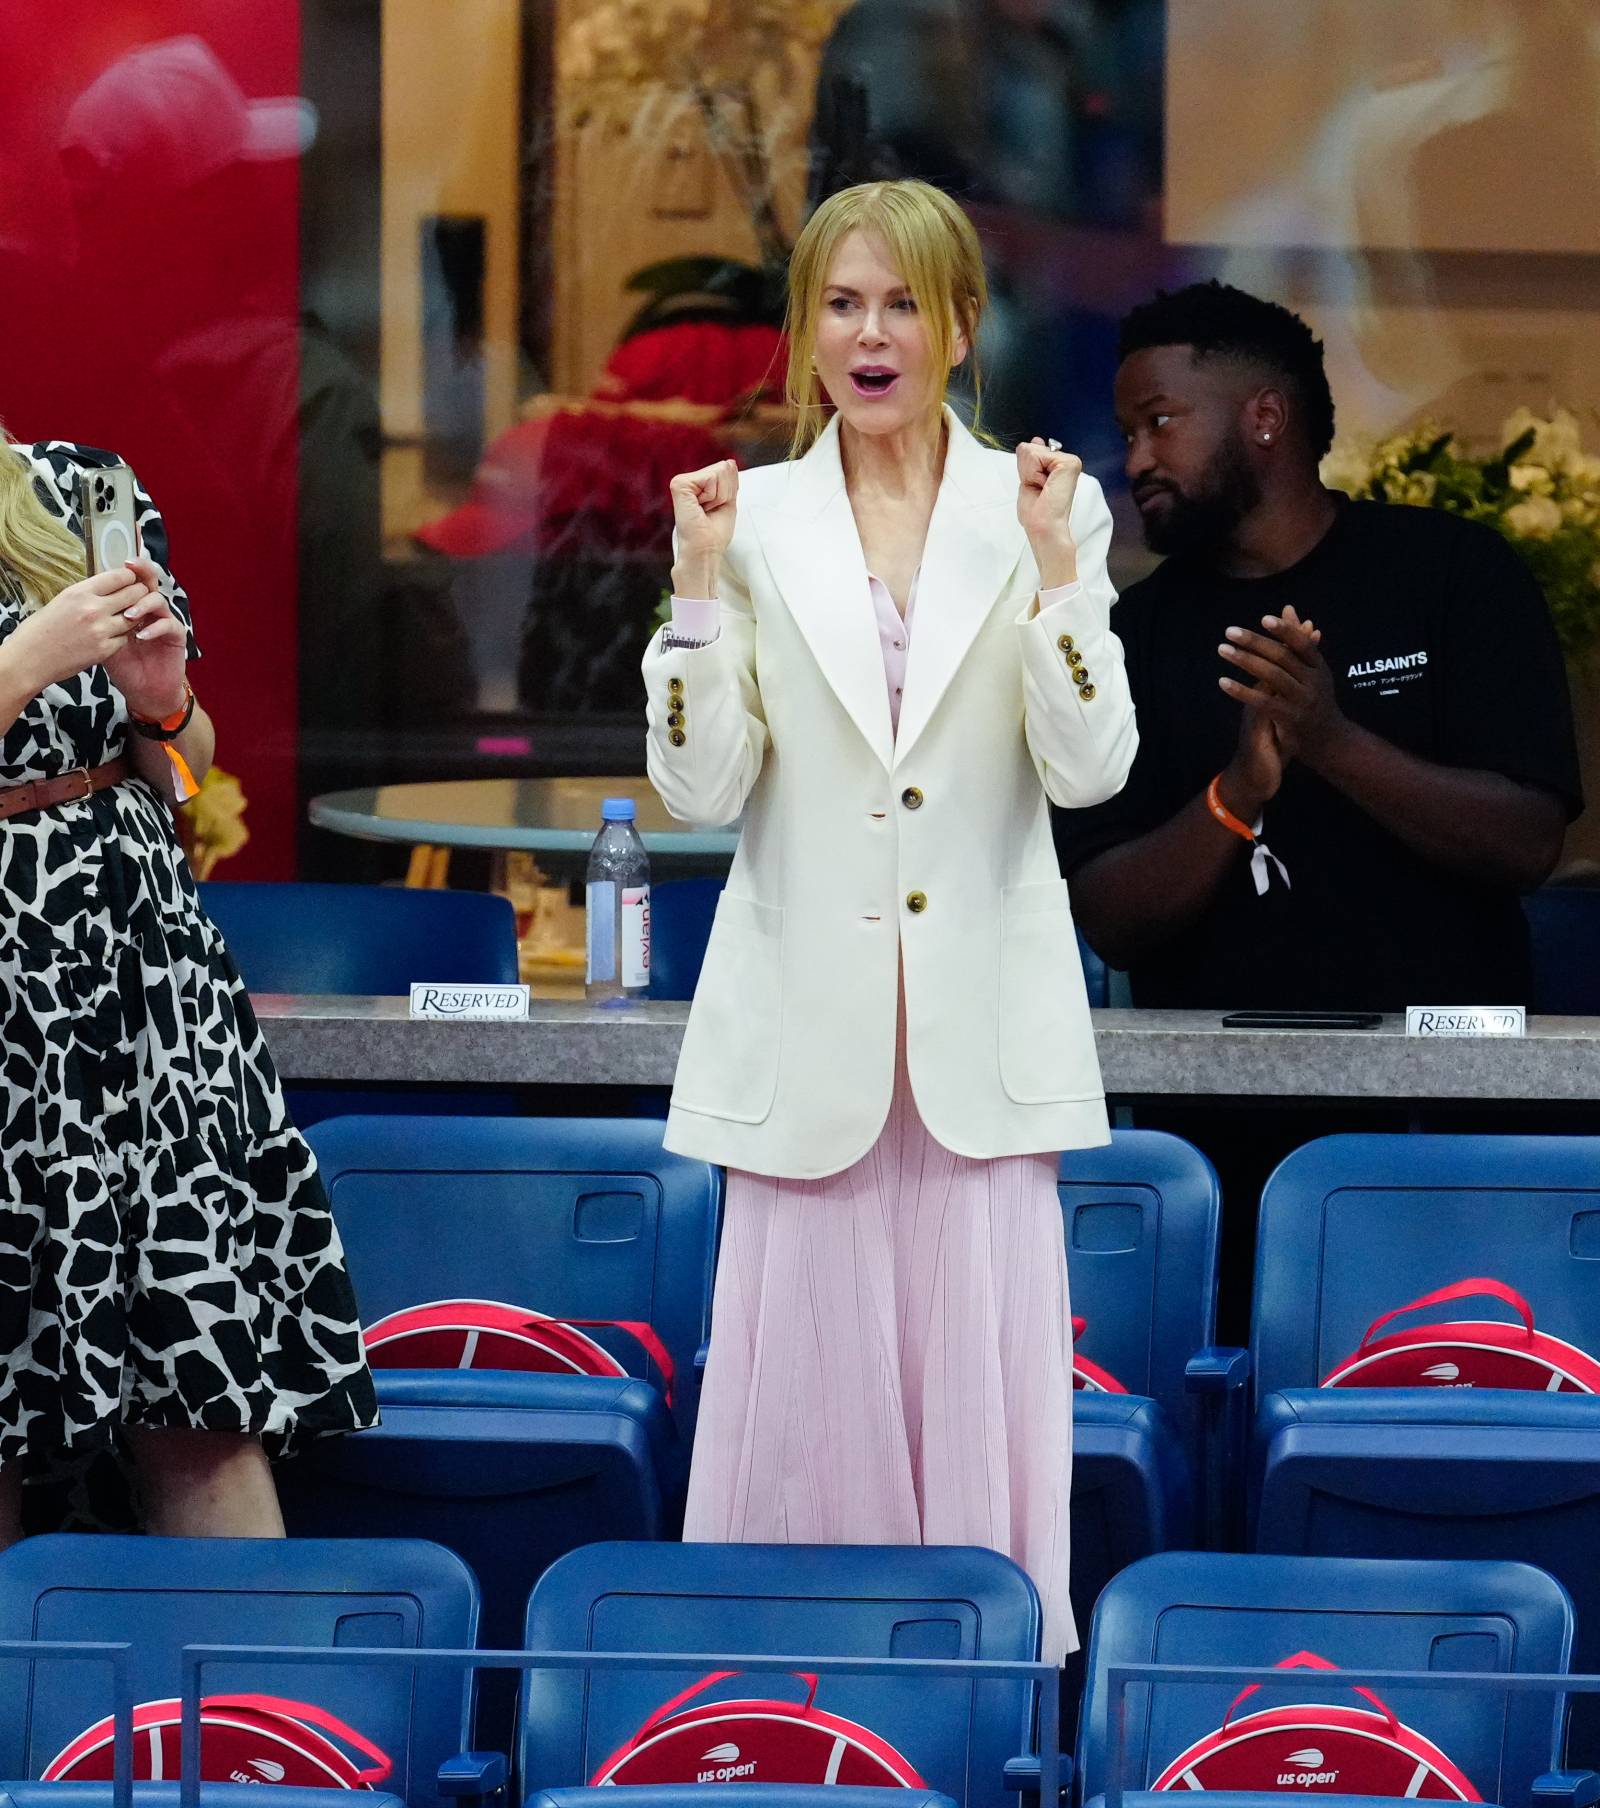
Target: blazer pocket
728	1064
1046	1047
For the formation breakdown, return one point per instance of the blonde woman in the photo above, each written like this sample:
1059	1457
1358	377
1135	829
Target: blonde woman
169	1272
888	653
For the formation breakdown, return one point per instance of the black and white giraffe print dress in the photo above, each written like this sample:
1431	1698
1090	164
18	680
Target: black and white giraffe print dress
167	1257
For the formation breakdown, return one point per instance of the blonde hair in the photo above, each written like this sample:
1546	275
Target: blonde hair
39	551
932	244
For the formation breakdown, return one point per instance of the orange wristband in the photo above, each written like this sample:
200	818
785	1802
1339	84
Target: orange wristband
1224	815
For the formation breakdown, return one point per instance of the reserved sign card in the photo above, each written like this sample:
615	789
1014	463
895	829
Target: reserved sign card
507	1004
1466	1020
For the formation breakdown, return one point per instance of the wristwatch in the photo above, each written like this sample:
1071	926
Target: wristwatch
671	641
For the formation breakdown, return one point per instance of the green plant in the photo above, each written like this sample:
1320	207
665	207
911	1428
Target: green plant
1541	491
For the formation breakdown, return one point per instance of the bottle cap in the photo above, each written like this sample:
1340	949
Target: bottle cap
617	809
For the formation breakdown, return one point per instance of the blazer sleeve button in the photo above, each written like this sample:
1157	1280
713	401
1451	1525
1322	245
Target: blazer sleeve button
1086	691
1066	643
677	737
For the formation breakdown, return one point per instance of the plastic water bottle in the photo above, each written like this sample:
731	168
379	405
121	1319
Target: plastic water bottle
618	908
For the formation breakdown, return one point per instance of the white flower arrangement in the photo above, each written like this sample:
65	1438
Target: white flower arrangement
1542	492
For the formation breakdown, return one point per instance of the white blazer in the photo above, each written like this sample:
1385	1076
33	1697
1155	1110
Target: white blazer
863	852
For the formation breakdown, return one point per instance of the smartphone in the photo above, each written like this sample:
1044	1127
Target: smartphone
1302	1020
110	529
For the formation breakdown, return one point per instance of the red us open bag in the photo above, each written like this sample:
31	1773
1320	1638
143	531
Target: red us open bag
243	1739
488	1334
1473	1352
754	1742
1087	1375
1318	1747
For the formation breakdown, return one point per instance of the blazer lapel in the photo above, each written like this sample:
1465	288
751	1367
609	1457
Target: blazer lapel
974	542
810	538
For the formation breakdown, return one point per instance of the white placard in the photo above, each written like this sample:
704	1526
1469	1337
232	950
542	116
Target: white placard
507	1004
1466	1020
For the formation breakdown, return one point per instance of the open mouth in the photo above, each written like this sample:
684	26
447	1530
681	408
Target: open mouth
873	380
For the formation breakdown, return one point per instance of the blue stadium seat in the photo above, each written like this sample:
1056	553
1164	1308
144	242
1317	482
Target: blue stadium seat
585	1218
365	940
165	1795
1564	927
800	1600
160	1594
1207	1608
1142	1221
1354	1226
681	914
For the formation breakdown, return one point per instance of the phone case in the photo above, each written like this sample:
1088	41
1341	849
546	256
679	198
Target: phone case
110	529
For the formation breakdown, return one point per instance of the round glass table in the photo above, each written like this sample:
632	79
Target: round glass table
555	818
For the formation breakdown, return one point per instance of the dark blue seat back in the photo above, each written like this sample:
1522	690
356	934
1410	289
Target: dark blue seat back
584	1218
365	940
801	1600
165	1795
1564	928
681	913
1353	1226
1142	1217
160	1594
1207	1608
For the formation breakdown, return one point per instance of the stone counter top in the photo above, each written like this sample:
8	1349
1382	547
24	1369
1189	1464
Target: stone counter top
350	1041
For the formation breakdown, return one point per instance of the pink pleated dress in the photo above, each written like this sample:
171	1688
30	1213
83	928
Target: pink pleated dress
891	1350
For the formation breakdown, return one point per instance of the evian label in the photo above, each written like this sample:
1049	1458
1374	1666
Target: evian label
635	936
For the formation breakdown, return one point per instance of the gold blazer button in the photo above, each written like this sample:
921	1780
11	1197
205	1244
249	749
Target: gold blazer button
916	902
911	797
1066	643
1086	691
677	737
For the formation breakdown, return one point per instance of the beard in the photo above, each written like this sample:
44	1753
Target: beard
1203	519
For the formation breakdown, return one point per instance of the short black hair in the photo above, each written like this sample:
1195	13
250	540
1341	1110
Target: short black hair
1223	322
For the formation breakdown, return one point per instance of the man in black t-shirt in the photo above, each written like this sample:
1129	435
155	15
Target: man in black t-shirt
1355	737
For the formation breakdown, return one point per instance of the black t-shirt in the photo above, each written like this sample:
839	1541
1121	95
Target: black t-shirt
1440	641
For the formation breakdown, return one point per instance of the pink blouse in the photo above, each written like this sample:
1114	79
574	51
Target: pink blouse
695	617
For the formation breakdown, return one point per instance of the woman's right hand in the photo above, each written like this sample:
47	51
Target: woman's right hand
81	627
703	509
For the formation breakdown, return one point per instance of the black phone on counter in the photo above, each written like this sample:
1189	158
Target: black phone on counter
1302	1020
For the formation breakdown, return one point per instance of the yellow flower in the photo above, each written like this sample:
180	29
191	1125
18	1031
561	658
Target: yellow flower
1536	518
1347	467
1533	480
214	821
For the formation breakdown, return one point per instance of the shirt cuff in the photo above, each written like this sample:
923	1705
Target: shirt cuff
696	617
1062	593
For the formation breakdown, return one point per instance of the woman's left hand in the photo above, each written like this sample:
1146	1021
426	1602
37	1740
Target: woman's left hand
149	667
1047	481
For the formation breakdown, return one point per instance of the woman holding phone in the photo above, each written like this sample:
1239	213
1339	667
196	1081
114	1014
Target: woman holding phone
169	1270
888	654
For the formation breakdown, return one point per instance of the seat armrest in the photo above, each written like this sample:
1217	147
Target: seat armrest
1567	1789
1217	1369
1022	1776
471	1776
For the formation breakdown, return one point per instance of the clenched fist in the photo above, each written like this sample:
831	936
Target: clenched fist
703	509
1047	481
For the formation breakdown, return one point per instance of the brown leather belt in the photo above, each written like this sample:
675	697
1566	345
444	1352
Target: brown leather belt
70	788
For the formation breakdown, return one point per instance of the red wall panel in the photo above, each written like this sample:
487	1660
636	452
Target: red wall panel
149	302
